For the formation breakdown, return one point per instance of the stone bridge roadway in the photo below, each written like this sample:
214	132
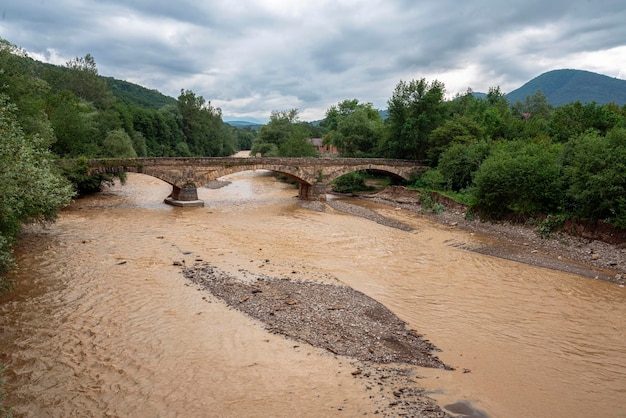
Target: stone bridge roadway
187	174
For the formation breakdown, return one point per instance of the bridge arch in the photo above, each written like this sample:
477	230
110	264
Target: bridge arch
397	175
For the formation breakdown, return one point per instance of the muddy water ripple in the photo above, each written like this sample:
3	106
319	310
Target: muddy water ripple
103	324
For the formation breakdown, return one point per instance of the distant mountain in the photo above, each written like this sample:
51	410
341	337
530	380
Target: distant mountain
134	94
244	124
567	86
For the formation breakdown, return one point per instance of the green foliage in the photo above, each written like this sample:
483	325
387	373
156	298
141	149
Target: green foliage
295	147
245	136
18	82
118	144
75	170
74	125
456	130
283	136
203	128
520	178
415	109
30	187
459	163
351	183
549	224
83	80
573	119
431	180
595	170
75	109
429	205
356	129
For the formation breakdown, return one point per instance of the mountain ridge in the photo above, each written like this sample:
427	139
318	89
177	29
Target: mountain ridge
565	86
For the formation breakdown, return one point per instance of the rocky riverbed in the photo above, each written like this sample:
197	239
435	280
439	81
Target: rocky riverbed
340	320
521	242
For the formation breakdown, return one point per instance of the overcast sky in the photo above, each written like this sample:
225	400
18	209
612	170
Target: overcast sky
250	57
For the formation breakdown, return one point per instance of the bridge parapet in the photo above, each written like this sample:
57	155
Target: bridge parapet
314	174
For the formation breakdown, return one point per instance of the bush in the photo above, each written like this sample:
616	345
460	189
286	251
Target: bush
520	178
459	163
595	170
431	179
350	183
429	205
551	223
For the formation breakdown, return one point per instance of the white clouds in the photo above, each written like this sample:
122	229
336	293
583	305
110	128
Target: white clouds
252	57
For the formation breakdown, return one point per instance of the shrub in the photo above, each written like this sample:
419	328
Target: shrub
350	183
595	170
459	163
431	179
519	178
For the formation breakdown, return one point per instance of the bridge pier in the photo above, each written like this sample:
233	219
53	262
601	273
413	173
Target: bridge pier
186	196
315	191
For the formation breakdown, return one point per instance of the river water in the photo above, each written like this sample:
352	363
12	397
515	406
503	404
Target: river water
101	323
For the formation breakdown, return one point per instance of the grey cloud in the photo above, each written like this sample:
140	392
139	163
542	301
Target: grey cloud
252	56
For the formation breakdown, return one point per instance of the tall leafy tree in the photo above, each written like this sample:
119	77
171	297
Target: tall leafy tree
283	136
415	109
533	116
203	128
74	125
84	81
118	144
356	129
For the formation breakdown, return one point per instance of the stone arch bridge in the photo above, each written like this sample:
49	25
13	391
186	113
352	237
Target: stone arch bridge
187	174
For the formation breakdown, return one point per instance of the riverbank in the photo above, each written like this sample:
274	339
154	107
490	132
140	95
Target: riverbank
521	242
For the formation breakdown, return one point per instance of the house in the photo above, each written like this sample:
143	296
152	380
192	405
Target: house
328	150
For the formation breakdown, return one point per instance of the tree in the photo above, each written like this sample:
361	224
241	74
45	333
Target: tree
573	119
117	144
25	90
203	128
533	116
459	163
415	110
30	187
283	136
83	80
74	126
456	130
356	129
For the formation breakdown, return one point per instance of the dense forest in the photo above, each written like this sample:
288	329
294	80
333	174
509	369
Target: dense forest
526	159
523	159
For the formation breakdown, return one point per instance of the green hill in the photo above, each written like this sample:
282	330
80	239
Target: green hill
567	86
134	94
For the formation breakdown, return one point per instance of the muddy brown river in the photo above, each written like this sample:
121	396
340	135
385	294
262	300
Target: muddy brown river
101	323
